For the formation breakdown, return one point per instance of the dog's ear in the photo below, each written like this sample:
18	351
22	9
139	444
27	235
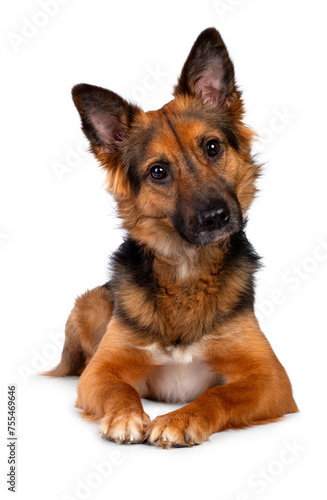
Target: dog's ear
106	122
106	117
208	70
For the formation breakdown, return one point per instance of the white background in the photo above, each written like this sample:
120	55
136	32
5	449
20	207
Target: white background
56	234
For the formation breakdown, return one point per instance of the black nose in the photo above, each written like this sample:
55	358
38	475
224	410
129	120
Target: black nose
216	218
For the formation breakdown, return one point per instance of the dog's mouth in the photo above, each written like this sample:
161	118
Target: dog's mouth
204	238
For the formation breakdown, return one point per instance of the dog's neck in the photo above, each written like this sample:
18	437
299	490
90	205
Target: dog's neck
191	265
174	259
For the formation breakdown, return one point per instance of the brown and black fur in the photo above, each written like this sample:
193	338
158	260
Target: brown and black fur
181	286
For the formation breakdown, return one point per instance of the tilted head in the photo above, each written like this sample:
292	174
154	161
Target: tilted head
183	175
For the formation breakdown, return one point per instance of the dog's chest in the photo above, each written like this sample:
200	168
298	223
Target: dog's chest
181	374
188	311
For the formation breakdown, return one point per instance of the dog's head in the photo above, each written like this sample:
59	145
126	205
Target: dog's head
183	175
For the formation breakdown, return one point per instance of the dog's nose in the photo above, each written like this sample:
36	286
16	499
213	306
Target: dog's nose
216	218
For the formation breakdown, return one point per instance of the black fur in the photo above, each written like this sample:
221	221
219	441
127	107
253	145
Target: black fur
242	256
132	261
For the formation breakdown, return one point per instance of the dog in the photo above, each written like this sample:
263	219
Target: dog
176	321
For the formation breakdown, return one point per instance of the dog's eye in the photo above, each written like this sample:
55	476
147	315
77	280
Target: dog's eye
213	147
158	172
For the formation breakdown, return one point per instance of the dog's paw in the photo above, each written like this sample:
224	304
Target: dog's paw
127	426
177	429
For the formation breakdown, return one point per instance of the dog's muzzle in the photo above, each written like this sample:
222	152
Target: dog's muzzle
213	222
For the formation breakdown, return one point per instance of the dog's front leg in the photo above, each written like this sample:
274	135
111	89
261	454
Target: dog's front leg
257	389
105	389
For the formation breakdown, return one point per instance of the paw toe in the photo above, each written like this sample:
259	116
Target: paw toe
124	428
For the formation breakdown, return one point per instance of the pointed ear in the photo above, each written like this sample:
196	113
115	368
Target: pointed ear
208	70
106	117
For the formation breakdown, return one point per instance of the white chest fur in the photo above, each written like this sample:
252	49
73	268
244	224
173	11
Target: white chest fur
181	374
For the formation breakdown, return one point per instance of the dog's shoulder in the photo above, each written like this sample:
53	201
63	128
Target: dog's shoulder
132	262
239	267
241	253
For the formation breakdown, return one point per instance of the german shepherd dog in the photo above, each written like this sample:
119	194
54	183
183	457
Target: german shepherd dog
176	321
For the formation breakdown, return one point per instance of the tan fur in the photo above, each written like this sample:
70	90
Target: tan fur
85	328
